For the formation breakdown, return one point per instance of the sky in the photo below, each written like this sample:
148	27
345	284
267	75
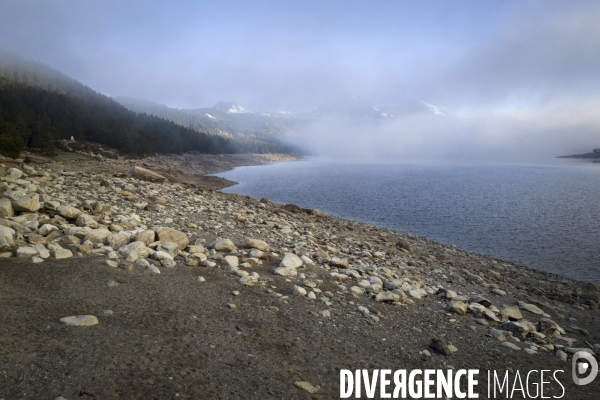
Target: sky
519	63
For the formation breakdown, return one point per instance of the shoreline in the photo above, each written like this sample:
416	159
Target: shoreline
259	321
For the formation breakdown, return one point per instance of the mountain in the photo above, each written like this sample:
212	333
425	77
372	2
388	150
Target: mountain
39	105
349	107
229	107
225	118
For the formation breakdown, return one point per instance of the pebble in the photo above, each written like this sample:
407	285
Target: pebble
201	279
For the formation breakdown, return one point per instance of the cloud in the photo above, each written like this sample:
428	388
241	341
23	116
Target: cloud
530	135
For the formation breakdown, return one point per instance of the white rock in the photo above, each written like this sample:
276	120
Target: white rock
62	253
287	272
231	261
152	268
79	320
290	260
299	291
307	260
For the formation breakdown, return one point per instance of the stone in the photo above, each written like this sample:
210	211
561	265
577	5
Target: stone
223	245
6	208
169	247
510	345
111	263
14	173
248	280
42	250
171	235
387	296
561	355
117	240
532	308
47	229
79	320
324	313
152	268
458	307
299	291
146	175
290	260
142	262
440	346
519	329
511	313
145	237
498	335
356	290
339	262
480	300
69	212
497	292
27	203
307	261
549	327
139	247
293	208
62	253
37	260
306	386
249	243
27	252
86	220
404	244
231	261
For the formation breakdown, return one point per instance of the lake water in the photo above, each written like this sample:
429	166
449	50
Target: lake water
545	217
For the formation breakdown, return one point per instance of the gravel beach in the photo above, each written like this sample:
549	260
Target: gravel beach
180	291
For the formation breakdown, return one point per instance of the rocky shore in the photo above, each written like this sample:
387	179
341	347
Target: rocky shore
136	279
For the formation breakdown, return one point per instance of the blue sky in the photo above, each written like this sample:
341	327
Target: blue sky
274	55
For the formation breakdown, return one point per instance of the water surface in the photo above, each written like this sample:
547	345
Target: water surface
546	217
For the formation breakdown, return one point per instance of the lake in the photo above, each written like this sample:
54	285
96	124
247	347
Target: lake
543	216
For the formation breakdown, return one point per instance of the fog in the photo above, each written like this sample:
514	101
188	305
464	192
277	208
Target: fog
519	79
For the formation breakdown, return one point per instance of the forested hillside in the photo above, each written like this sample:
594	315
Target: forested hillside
39	105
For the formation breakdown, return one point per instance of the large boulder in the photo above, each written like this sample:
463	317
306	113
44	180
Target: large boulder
117	240
28	203
6	208
223	245
171	235
146	175
138	247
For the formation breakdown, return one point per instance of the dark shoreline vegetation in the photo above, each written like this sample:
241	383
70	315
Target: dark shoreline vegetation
40	106
594	154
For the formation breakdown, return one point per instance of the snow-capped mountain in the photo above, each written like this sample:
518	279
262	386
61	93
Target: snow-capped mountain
414	107
230	107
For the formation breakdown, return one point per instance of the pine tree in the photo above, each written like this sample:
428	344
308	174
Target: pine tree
48	147
11	143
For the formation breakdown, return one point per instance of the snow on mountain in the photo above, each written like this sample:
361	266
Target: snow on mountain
230	107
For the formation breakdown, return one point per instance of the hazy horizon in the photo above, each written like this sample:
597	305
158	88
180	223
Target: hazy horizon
519	78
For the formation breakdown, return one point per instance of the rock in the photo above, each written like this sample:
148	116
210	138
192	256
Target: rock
339	262
196	249
162	255
458	307
299	291
356	290
403	244
152	268
111	263
561	355
68	212
146	175
480	300
498	335
307	261
415	293
549	327
62	253
477	308
290	260
248	280
86	220
532	309
387	296
47	229
171	235
27	203
79	320
142	262
324	313
146	237
139	247
573	350
440	346
510	345
44	253
497	292
293	208
27	252
14	173
223	245
255	244
169	247
6	208
117	240
231	261
306	386
519	329
511	313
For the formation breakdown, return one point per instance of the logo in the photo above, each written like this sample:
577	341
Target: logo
584	363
